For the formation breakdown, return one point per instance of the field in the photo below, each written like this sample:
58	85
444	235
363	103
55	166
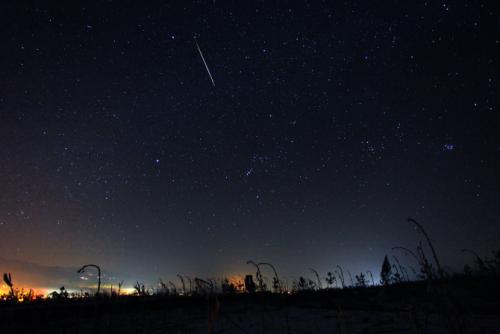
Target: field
461	304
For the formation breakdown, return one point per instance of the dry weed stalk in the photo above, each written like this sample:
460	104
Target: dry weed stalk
82	270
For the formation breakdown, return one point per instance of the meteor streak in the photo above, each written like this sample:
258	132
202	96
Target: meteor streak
204	62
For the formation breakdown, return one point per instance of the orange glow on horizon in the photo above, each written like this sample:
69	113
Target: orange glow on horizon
237	281
23	291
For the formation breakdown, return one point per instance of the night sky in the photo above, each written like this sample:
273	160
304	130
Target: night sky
328	125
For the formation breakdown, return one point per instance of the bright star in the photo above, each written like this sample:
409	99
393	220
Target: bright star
448	147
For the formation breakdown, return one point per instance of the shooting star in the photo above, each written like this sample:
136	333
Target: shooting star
204	62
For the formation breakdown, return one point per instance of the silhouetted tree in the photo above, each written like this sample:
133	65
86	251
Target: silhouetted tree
386	272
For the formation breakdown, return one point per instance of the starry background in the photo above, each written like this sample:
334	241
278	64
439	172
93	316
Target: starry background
329	124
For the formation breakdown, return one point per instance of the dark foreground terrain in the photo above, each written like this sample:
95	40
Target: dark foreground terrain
461	305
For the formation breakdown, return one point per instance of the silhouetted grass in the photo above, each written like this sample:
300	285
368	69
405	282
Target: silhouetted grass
432	294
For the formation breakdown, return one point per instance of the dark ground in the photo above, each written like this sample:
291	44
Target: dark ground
460	305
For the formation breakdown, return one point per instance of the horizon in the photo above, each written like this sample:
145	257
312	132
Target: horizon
69	278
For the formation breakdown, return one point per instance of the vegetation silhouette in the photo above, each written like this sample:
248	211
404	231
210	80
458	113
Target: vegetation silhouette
276	280
7	278
320	286
428	292
82	270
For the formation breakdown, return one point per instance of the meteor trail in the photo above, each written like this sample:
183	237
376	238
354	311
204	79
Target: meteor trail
204	62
